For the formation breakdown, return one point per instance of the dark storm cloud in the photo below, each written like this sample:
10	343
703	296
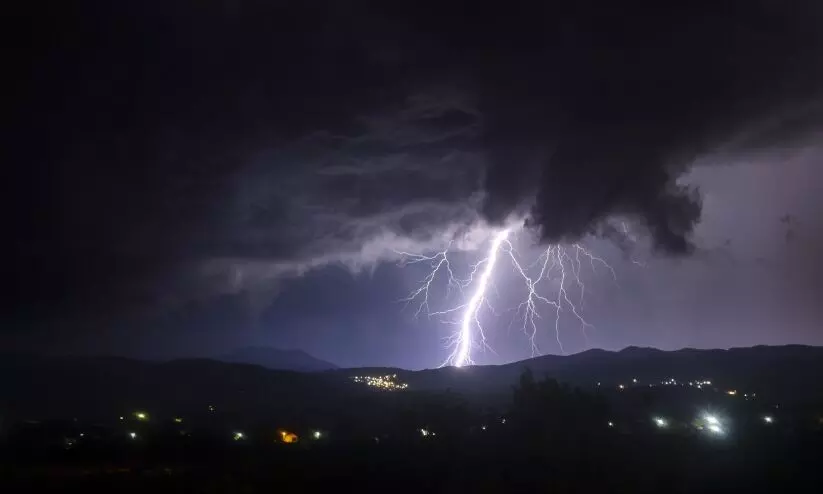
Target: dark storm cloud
629	94
255	139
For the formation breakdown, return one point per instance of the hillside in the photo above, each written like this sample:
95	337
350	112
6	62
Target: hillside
274	358
784	372
105	386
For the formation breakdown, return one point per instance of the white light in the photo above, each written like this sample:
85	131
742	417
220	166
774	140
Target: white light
483	427
133	435
610	423
660	422
634	381
716	429
621	386
464	343
424	432
712	420
238	436
768	419
558	265
317	434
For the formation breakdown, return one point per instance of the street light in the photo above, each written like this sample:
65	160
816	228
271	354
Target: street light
715	429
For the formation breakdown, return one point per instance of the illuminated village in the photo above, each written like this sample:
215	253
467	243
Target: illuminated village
388	382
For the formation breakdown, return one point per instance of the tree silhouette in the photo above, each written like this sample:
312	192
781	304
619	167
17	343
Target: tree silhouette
546	409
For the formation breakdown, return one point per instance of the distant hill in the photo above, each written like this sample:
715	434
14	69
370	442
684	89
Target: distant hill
784	372
273	358
108	386
103	388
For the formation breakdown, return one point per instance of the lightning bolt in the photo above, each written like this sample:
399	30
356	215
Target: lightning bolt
555	259
462	354
558	265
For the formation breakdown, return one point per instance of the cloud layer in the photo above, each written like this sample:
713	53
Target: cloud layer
249	141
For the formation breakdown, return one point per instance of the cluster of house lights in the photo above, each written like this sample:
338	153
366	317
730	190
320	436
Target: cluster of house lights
388	382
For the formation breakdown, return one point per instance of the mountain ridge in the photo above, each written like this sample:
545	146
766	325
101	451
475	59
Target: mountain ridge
276	359
100	387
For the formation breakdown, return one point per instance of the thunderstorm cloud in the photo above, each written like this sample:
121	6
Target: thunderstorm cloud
230	144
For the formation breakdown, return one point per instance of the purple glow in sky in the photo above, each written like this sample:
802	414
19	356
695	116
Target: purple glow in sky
174	193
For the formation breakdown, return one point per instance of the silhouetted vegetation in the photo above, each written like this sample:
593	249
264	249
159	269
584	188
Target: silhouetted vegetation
547	435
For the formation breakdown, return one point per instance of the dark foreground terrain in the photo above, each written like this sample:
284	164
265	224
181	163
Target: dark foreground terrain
500	464
200	426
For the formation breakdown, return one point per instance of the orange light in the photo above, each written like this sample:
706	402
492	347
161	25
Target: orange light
288	437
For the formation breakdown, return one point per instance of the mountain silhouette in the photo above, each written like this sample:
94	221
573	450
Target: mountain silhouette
277	359
105	387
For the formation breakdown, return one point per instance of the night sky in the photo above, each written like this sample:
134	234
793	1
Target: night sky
183	178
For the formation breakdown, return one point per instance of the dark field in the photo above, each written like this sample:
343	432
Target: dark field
547	437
